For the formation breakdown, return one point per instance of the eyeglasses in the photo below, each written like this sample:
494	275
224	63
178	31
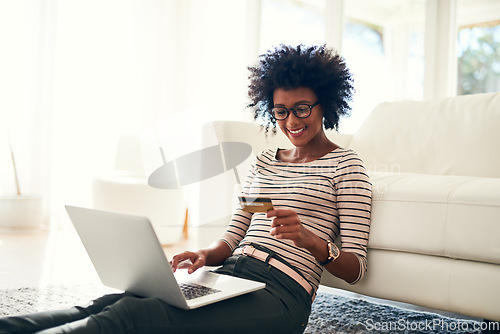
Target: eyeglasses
300	111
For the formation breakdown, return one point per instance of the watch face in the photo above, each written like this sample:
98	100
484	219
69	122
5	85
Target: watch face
334	250
333	253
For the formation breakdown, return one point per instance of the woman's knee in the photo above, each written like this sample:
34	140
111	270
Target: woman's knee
135	314
136	308
119	317
127	304
96	306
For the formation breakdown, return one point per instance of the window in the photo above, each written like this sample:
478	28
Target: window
479	58
291	23
363	50
383	44
478	46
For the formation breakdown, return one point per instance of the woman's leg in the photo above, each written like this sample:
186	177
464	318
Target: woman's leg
283	307
150	315
38	321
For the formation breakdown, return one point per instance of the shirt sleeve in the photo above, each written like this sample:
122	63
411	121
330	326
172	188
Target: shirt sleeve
354	194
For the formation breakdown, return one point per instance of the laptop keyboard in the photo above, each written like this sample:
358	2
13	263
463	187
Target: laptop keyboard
193	290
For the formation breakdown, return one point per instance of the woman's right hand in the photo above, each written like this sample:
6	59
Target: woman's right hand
191	261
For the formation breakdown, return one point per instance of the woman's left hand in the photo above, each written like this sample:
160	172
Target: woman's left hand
286	224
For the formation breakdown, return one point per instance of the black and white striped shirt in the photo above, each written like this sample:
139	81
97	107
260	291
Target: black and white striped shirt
331	195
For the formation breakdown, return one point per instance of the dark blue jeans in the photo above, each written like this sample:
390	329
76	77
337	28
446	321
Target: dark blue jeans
282	307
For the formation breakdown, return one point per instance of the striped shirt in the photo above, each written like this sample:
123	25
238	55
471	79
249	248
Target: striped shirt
331	195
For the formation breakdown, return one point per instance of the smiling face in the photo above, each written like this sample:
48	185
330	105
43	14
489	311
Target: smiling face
301	132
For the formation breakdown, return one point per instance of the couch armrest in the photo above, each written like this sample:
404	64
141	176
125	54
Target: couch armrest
341	139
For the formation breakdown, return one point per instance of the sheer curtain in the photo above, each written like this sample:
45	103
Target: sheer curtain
77	74
24	95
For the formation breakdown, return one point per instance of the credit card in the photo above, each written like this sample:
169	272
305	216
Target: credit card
255	204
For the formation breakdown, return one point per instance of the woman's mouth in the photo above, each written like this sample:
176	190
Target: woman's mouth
297	132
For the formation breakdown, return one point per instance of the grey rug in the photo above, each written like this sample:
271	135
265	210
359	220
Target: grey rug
337	314
330	313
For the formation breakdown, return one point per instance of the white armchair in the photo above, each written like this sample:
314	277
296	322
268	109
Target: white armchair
125	189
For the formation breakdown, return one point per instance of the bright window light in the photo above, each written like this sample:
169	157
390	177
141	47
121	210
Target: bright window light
479	59
291	23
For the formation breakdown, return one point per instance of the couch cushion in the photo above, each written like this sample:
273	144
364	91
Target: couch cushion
460	286
450	216
453	136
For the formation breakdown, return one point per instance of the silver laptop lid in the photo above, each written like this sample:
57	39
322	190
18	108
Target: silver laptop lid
126	253
128	256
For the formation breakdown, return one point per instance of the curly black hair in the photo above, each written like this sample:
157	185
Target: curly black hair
316	67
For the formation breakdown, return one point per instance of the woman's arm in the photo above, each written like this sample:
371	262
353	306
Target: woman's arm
213	255
220	250
353	191
287	225
346	266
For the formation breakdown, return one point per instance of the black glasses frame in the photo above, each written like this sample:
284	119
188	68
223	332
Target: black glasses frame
310	106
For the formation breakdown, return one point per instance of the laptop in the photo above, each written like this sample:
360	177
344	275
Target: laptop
127	255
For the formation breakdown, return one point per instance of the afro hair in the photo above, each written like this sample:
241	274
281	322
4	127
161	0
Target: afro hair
315	67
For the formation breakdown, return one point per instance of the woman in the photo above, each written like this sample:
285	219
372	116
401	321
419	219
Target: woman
320	194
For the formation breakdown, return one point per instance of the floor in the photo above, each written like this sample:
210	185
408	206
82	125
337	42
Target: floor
33	258
38	258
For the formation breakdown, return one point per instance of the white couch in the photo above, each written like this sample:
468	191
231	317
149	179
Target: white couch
435	169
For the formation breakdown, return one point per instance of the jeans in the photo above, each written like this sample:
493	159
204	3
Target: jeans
282	307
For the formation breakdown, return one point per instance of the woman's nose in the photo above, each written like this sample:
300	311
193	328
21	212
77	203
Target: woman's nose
292	120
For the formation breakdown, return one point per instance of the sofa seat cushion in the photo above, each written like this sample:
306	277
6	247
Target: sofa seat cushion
452	285
451	216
